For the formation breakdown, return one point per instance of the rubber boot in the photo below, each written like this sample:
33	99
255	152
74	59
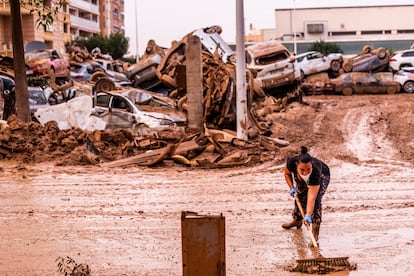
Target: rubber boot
315	230
293	223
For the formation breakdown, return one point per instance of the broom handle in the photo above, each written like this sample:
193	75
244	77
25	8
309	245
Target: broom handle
315	244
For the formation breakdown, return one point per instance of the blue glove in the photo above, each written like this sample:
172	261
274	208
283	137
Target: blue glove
292	191
308	219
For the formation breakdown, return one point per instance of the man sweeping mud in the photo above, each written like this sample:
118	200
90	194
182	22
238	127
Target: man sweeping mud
312	179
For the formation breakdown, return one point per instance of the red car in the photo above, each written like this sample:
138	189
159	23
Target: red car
48	63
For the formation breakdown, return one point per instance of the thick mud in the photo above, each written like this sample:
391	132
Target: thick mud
127	221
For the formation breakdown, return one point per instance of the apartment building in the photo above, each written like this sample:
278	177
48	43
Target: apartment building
79	18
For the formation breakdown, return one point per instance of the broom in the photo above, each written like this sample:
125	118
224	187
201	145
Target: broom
319	265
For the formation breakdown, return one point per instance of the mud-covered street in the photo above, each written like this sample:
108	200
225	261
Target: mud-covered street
127	220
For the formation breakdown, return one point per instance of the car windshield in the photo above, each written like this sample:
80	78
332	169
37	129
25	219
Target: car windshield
272	58
35	55
37	96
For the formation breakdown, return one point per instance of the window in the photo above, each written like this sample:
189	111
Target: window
405	31
315	28
408	54
103	100
343	33
371	32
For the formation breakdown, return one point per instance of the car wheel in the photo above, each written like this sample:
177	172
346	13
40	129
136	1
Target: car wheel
347	91
409	87
366	49
347	67
381	53
104	84
392	90
335	65
97	76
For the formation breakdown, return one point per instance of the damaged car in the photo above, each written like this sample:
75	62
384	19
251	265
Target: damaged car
119	111
48	63
313	62
273	66
369	60
363	83
405	77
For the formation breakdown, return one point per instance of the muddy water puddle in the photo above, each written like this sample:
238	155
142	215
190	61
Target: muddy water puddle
126	221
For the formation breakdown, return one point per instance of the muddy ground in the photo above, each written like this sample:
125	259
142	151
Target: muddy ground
126	221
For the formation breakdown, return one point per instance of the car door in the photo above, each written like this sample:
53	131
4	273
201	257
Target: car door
374	84
121	113
316	62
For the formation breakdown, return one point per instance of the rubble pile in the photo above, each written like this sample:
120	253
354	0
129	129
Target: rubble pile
31	142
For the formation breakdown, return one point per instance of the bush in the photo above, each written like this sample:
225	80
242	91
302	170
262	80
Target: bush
325	47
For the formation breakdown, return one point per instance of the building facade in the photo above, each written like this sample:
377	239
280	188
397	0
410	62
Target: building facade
79	18
350	27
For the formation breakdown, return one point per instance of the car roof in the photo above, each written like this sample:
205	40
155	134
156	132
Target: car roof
263	48
305	53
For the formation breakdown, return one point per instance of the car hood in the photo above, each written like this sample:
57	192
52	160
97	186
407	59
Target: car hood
165	113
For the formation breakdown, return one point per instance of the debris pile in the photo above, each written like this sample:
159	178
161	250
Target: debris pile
31	142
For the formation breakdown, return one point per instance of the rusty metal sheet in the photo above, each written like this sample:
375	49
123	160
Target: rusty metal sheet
203	244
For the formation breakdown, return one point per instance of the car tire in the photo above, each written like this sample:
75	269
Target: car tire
366	49
381	53
392	90
335	65
408	87
347	91
97	76
104	84
347	67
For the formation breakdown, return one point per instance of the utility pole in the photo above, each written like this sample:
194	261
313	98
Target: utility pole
136	31
241	98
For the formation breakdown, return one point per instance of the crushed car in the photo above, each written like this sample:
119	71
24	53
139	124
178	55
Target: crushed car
405	77
363	83
369	60
119	111
313	62
48	63
275	68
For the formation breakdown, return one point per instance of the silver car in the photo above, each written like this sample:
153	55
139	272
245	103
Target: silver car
119	111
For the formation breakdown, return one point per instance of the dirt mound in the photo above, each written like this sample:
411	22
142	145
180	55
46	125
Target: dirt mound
34	143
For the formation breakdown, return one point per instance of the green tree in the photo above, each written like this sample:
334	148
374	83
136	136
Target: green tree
325	47
115	45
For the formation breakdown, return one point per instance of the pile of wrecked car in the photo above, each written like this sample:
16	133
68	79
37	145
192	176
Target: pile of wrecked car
149	98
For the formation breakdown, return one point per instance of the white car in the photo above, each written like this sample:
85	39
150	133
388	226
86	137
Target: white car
314	62
119	111
402	59
405	77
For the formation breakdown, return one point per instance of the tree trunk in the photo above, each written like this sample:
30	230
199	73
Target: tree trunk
20	78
